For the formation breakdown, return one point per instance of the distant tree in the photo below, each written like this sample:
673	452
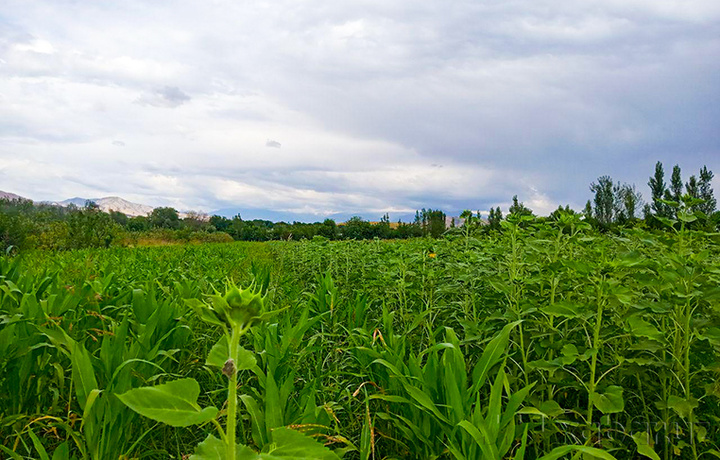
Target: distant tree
196	221
356	228
434	222
235	229
705	192
164	218
90	204
628	202
657	191
604	201
494	218
676	185
138	224
119	218
383	227
518	209
647	212
91	228
328	229
692	187
220	223
16	226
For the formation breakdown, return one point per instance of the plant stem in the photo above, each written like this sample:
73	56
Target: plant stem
593	364
232	395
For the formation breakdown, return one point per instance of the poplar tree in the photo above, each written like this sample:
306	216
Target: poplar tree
705	192
657	190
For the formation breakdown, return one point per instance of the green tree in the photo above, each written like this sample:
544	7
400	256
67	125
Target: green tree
657	190
628	202
138	224
433	222
518	208
705	192
494	218
604	201
328	229
91	228
674	192
356	228
220	223
164	218
119	218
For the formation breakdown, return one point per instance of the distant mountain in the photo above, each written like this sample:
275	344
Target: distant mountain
11	196
111	203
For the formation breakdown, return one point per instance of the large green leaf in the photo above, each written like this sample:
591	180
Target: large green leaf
83	374
492	354
287	445
173	403
683	407
610	401
564	309
220	353
641	328
290	444
214	449
642	441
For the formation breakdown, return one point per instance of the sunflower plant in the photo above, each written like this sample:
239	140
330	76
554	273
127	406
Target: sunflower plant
175	403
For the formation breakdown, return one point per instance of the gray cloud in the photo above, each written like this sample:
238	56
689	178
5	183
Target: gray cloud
166	97
118	143
536	98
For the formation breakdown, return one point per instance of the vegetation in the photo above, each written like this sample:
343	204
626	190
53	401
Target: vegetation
543	338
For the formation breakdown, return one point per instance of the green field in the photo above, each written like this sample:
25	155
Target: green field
515	344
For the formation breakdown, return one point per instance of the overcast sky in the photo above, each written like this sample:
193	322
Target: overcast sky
324	107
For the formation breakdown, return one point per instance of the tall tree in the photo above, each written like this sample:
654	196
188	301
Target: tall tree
657	189
518	208
604	209
588	212
495	218
676	184
705	192
628	202
691	187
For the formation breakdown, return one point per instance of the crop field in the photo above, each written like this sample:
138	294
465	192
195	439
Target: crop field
539	341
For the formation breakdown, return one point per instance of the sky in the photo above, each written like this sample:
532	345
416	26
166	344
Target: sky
302	110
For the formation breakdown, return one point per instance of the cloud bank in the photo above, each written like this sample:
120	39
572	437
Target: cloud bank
380	106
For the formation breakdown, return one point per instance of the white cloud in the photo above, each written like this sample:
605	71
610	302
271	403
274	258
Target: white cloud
535	98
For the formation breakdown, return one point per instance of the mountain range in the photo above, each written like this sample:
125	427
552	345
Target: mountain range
110	203
11	196
114	203
107	204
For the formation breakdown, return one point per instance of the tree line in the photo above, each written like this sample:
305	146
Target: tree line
615	205
25	225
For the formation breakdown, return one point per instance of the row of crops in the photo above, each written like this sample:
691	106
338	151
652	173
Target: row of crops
540	341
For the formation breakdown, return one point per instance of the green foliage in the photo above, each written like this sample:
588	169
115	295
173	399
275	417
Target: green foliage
518	209
164	218
657	191
546	339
